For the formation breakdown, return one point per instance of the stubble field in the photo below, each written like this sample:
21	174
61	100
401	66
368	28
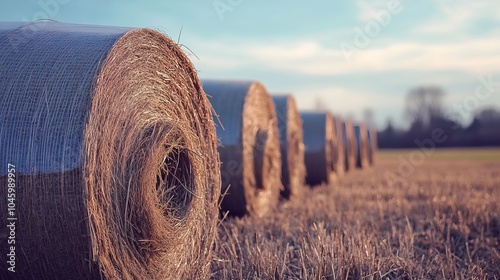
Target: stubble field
440	220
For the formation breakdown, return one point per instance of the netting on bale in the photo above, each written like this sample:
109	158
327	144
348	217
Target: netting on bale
114	148
372	145
362	146
291	145
319	143
249	146
340	146
351	145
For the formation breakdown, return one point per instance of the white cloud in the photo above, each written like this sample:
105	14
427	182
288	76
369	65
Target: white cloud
367	9
473	57
465	10
456	15
342	100
289	59
311	58
299	51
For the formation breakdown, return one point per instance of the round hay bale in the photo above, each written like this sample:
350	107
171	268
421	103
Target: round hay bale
249	150
351	145
319	142
362	143
372	145
293	169
340	146
114	148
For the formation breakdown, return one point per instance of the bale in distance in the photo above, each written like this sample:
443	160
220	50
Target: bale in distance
291	145
249	146
362	144
339	158
350	145
319	143
111	134
372	144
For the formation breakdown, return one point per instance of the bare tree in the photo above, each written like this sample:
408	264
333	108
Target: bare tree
424	104
488	115
319	104
368	117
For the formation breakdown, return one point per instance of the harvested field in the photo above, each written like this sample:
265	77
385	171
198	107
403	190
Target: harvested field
442	222
481	154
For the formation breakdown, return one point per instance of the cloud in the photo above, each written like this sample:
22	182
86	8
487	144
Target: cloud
342	99
457	15
465	10
367	9
400	65
312	58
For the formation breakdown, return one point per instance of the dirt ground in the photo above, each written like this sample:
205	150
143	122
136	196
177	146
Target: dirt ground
431	219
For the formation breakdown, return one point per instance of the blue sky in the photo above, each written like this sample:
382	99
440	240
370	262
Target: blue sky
310	49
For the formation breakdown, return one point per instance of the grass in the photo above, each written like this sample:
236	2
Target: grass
443	222
478	154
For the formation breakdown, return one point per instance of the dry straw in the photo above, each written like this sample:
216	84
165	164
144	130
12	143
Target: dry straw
373	145
291	145
339	158
351	145
319	142
362	144
115	149
249	148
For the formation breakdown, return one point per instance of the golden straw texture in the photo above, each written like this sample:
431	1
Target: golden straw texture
350	145
140	200
373	145
319	142
291	145
339	157
362	144
249	150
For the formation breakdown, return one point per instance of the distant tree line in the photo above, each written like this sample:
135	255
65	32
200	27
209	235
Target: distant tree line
424	110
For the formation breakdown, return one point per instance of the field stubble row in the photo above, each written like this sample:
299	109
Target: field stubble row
441	223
